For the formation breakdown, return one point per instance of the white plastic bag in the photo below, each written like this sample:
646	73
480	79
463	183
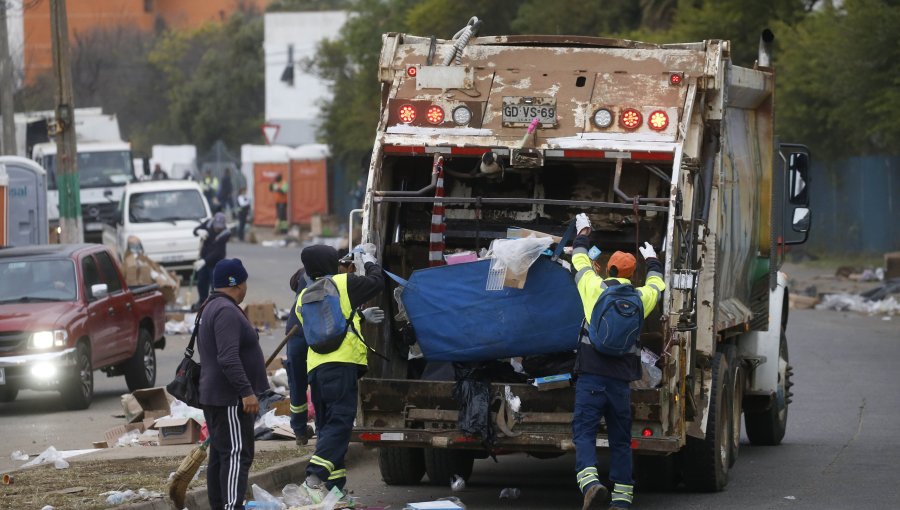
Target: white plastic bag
47	456
294	495
260	495
517	255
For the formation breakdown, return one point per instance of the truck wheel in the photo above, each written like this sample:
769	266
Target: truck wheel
140	370
735	400
442	464
766	428
78	391
401	466
705	461
655	473
8	393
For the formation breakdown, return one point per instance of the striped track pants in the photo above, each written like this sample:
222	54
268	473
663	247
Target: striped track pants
230	455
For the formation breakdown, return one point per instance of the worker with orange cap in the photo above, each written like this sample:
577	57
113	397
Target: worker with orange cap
608	360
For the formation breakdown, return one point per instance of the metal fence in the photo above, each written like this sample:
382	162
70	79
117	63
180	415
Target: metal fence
856	206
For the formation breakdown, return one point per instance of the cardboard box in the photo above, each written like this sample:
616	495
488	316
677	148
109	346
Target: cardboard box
518	233
892	265
112	435
146	405
141	270
282	407
261	315
552	382
515	281
177	431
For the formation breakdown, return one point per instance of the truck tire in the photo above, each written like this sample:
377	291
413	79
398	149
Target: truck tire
767	428
705	461
442	464
140	370
401	466
735	401
8	393
78	391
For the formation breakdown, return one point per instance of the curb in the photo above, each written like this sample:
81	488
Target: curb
272	479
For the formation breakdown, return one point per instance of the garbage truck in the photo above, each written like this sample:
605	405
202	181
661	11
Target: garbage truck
480	137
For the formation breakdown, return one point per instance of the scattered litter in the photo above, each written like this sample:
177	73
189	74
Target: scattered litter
457	484
52	455
879	293
886	318
119	497
279	378
294	495
857	303
438	504
178	409
8	479
18	455
282	314
131	438
790	498
70	490
512	401
264	500
277	243
510	493
181	327
48	507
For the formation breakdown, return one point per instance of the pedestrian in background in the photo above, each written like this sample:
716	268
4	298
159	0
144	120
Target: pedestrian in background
280	189
243	208
333	376
159	174
215	235
602	386
233	374
226	192
210	186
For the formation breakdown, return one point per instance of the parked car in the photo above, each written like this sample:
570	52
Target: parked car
163	214
65	311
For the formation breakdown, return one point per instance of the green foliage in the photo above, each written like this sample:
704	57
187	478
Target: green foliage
308	5
603	18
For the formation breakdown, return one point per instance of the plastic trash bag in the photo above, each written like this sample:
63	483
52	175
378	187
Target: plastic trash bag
47	456
18	455
517	255
260	495
651	375
473	392
294	495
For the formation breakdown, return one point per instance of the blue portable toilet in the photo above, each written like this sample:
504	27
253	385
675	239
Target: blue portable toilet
27	201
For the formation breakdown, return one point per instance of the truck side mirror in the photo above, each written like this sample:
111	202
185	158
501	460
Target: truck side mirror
798	175
800	222
796	215
99	291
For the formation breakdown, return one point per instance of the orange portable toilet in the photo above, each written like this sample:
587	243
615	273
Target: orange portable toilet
308	190
263	198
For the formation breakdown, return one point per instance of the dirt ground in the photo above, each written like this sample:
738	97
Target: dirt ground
81	484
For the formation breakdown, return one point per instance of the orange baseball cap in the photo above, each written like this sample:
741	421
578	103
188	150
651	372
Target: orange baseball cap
623	262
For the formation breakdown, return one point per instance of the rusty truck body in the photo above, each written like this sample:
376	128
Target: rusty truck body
670	144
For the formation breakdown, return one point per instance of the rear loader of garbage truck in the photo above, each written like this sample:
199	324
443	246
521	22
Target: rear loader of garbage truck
667	144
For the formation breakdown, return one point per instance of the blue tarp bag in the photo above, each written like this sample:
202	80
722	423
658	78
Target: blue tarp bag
456	319
616	321
324	324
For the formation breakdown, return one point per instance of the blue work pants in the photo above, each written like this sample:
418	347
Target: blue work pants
295	365
598	396
334	393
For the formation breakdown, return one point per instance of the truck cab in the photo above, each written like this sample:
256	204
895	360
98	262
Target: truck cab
163	215
104	168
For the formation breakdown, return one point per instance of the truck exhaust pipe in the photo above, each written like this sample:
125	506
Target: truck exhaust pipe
765	49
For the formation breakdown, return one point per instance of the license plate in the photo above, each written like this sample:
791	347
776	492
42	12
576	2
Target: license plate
2	375
519	111
93	227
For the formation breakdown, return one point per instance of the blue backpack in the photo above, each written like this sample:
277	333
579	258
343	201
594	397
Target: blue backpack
324	325
616	321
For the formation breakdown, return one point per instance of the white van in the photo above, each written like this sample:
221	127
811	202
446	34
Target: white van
163	214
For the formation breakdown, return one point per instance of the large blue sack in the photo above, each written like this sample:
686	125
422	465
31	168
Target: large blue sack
456	319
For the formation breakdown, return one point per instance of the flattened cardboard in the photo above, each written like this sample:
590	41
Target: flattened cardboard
177	431
113	434
261	315
518	233
151	403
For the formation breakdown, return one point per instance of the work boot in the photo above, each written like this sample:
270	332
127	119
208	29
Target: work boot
595	497
315	488
303	438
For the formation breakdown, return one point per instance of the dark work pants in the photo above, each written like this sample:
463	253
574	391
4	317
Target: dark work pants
281	215
334	393
298	381
231	451
242	221
597	396
204	275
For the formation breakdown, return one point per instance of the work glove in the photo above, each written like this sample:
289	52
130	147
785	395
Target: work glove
374	315
366	258
365	248
647	251
203	234
199	264
582	222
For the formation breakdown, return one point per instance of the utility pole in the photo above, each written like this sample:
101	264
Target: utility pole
7	88
64	129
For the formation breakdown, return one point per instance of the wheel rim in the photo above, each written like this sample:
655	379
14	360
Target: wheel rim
781	393
149	362
737	393
85	376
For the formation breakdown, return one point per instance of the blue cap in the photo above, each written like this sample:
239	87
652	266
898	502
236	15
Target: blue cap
229	273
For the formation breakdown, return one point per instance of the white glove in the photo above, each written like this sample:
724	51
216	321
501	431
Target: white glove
203	234
647	251
374	315
199	264
366	258
581	222
365	248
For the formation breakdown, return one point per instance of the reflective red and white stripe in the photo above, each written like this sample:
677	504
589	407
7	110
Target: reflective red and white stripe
407	150
436	244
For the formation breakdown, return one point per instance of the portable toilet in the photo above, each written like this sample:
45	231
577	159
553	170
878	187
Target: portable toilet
26	202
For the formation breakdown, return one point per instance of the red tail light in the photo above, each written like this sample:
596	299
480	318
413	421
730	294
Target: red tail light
411	71
676	78
435	114
406	113
630	118
658	120
647	432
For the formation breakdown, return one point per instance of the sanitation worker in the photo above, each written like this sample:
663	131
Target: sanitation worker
603	374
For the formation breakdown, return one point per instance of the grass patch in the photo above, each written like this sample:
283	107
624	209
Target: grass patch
34	488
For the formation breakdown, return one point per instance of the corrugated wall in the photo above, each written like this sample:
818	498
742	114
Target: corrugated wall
856	206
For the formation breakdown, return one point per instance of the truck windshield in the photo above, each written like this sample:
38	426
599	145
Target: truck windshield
97	169
37	280
153	206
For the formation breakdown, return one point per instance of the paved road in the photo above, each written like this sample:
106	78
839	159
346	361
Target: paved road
840	450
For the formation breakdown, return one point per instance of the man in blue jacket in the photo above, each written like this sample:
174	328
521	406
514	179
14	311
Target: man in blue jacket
215	234
234	373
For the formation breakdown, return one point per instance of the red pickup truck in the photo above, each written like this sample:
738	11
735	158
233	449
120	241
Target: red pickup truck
65	311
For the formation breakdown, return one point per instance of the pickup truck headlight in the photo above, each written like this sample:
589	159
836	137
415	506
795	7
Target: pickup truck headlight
48	339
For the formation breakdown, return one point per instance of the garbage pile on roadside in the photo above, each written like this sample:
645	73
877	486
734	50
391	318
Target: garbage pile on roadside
877	300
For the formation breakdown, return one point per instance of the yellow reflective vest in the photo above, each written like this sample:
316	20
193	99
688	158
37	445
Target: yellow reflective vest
352	349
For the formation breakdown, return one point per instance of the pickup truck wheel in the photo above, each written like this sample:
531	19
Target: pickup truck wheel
8	393
442	464
401	466
767	428
705	461
78	391
140	370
